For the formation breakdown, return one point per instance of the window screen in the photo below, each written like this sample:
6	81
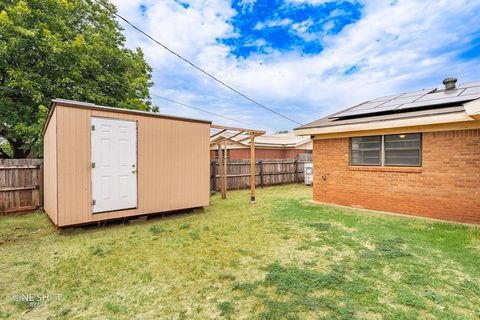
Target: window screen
403	149
365	150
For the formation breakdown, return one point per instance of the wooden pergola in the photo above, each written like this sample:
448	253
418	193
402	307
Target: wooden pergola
221	137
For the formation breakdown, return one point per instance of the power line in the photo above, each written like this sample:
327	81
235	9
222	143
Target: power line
194	65
25	93
195	108
206	111
153	94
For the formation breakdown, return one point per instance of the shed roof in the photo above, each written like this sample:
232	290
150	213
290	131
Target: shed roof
93	106
428	105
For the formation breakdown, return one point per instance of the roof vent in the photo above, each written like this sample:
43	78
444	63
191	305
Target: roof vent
450	83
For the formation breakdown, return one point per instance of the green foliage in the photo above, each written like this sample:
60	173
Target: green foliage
226	309
409	298
185	226
5	150
195	235
146	277
226	277
300	281
391	248
320	226
156	229
245	286
98	250
62	49
433	296
115	307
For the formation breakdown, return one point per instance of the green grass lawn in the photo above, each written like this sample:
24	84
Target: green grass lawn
283	258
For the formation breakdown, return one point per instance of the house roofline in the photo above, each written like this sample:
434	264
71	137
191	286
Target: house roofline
453	117
472	109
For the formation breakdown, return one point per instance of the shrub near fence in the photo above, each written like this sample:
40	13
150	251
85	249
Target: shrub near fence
21	185
267	172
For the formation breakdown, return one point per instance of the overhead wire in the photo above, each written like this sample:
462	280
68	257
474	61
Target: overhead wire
194	65
195	108
152	94
202	110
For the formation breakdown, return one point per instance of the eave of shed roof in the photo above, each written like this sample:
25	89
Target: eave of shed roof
92	106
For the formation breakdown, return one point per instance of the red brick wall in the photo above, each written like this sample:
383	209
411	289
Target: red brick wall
262	154
447	186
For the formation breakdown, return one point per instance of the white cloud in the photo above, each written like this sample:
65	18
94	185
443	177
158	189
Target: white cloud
312	2
411	45
273	23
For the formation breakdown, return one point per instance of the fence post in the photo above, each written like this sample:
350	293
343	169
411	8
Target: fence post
296	171
213	171
261	173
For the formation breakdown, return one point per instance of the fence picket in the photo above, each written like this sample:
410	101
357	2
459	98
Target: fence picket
267	172
20	185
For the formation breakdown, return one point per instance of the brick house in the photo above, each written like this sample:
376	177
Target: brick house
267	147
415	153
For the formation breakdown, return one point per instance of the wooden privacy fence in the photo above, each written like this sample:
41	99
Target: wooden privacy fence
267	172
21	185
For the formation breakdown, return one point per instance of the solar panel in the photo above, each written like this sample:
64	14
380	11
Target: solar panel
415	99
441	95
436	102
355	112
401	100
469	84
472	90
418	92
368	105
386	98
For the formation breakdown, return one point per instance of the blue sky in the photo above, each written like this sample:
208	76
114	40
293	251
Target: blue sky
264	26
303	58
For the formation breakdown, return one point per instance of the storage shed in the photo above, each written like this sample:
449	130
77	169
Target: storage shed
105	163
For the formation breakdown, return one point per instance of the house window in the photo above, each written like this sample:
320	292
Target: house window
389	150
403	149
366	151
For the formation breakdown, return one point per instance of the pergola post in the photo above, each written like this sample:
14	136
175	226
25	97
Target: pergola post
252	170
225	168
223	135
220	169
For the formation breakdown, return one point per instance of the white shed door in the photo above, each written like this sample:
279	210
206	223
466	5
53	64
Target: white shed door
114	164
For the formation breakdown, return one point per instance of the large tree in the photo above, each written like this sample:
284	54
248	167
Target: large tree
72	49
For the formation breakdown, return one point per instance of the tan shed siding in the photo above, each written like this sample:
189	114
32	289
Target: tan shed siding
173	165
50	168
